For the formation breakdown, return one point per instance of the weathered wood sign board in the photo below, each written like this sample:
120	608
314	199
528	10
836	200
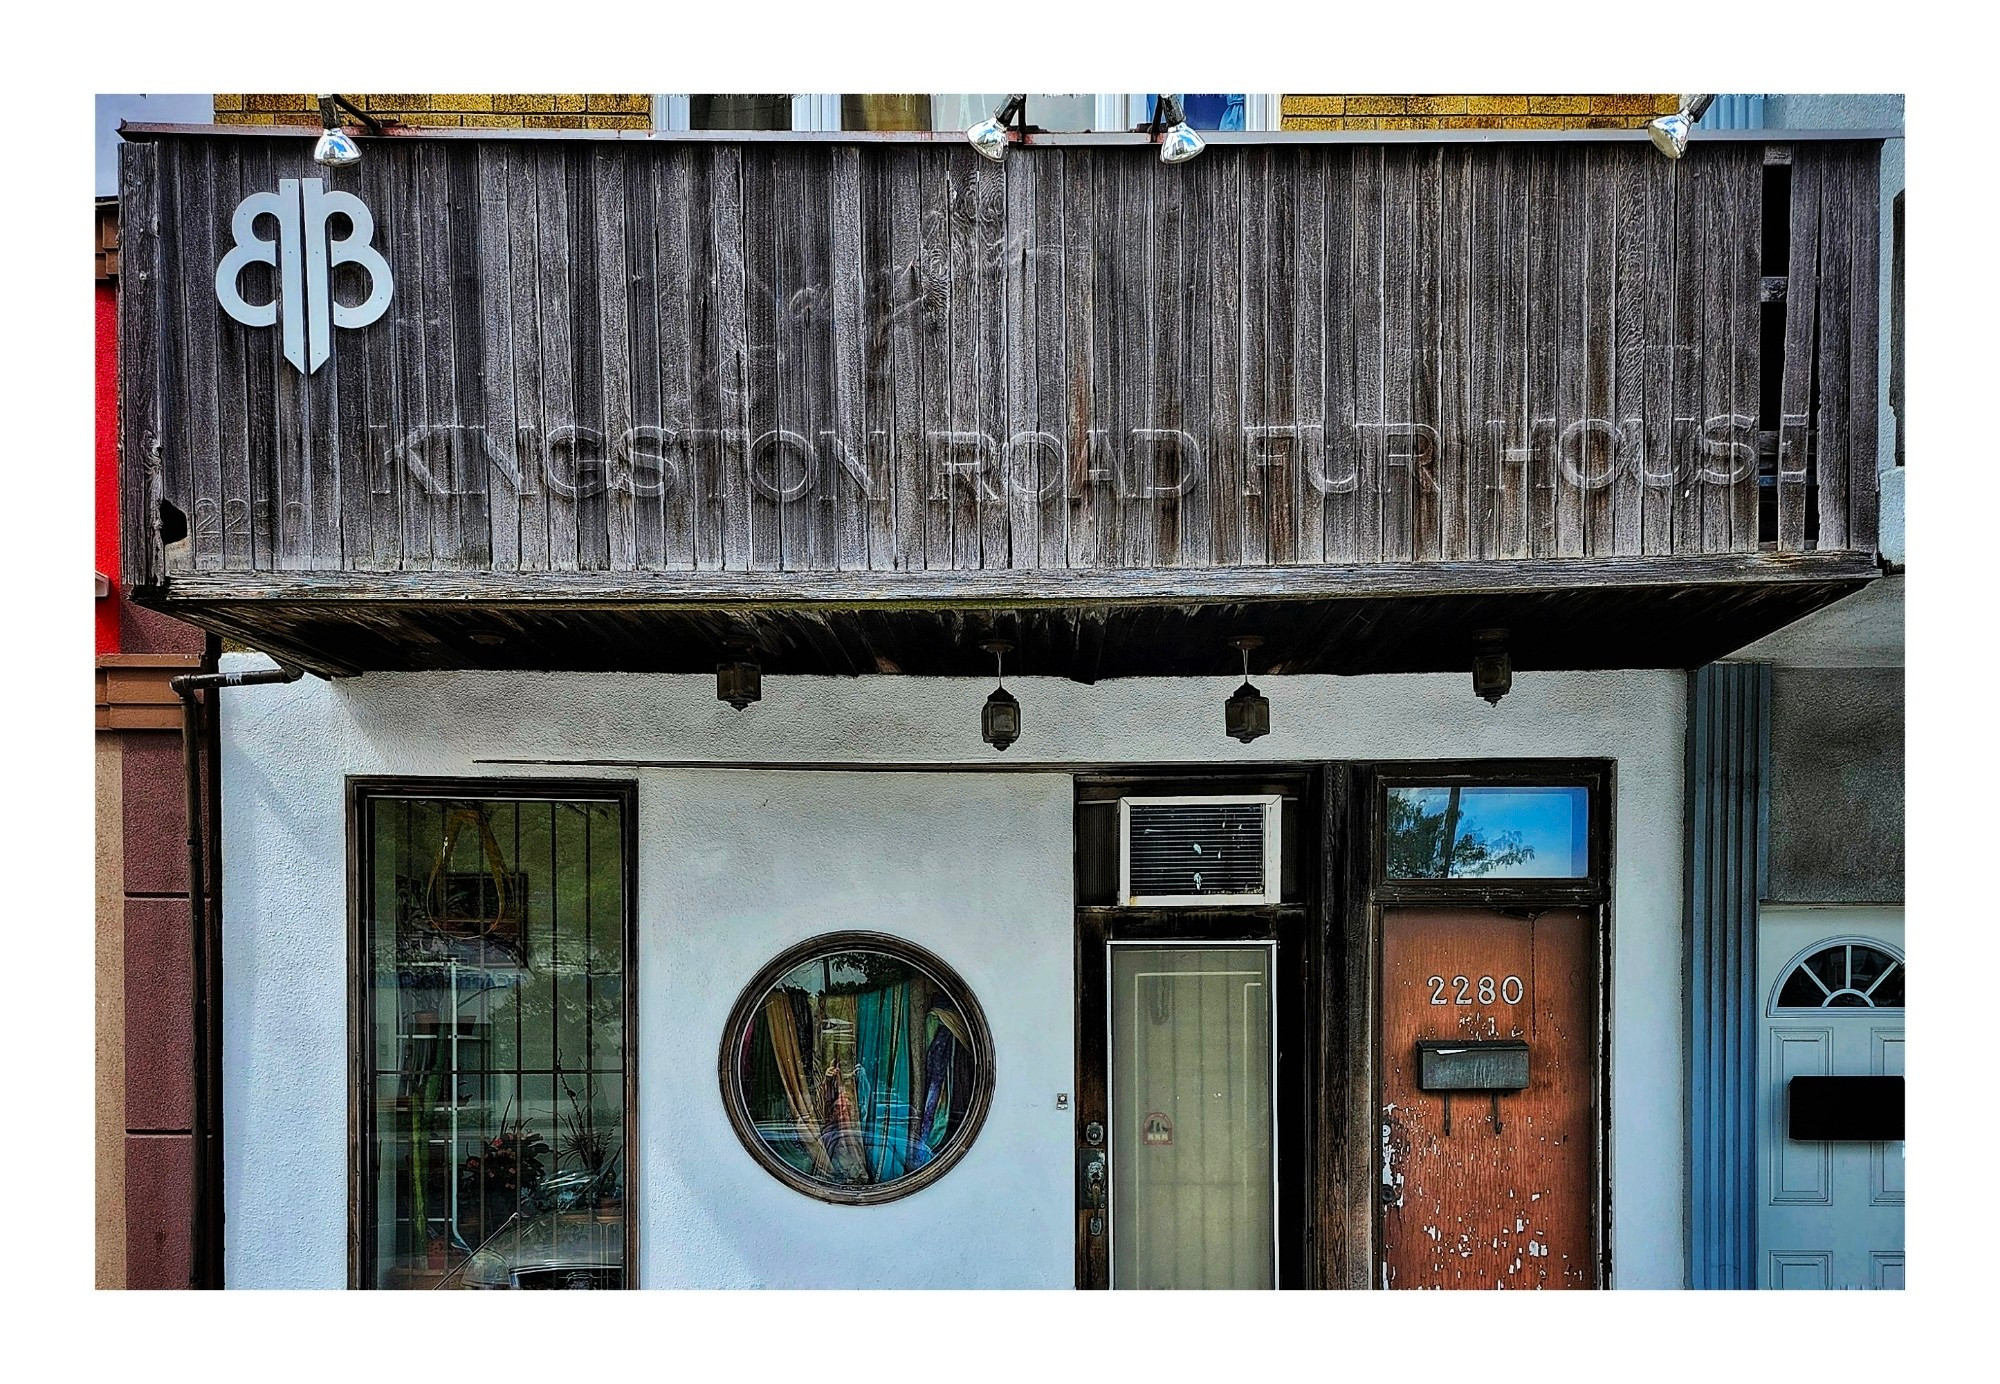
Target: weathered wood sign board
875	356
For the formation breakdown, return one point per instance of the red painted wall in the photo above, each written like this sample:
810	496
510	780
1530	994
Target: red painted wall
159	1027
107	463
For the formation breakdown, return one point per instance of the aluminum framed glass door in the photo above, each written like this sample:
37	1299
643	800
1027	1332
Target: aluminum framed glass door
1192	1138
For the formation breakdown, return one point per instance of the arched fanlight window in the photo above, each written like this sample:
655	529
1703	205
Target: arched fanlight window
1848	973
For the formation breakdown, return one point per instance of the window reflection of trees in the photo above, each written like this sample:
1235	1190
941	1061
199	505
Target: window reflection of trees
1441	845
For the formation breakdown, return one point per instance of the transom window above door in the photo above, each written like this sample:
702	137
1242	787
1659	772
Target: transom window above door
1486	831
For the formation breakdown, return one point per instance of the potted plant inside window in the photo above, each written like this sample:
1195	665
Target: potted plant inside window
591	1181
502	1180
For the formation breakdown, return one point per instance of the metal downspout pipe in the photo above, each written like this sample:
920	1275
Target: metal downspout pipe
205	1258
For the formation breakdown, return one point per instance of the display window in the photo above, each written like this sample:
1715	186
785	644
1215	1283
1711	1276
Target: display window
857	1068
494	1002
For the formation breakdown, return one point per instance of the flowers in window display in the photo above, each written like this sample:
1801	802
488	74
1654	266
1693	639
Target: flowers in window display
498	1181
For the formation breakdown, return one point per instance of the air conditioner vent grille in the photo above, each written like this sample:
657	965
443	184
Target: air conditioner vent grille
1196	849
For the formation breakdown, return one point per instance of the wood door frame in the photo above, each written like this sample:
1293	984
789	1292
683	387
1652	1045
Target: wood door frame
1292	924
1350	1200
1335	1171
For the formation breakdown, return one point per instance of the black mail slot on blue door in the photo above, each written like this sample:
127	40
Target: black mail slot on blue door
1486	1064
1846	1107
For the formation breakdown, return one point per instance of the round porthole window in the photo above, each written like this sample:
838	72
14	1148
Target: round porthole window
857	1068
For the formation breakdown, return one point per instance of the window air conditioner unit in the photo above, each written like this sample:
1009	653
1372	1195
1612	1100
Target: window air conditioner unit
1202	851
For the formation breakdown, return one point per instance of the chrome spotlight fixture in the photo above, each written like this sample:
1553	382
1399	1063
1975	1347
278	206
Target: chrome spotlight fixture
1492	667
1247	713
1180	143
1000	721
335	147
989	136
739	681
1670	132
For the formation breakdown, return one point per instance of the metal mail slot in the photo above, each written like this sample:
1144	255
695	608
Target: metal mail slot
1845	1107
1487	1064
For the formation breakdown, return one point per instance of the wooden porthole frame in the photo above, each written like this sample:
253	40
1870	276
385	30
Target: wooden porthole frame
910	954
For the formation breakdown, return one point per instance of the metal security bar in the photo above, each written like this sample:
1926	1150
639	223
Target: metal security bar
494	958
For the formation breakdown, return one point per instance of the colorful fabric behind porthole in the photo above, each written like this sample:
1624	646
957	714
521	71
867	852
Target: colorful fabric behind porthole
857	1068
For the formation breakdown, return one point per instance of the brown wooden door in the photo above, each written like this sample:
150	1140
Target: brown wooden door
1480	1207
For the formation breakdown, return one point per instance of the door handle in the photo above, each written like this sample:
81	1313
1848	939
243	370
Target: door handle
1090	1174
1090	1179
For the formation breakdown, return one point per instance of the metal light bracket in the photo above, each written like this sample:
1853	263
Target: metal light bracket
1166	112
329	100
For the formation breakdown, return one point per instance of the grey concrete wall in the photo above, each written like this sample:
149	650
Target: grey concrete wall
1836	785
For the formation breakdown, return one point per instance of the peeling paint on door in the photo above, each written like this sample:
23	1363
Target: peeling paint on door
1457	1207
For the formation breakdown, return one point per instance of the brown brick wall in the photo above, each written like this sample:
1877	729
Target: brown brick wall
506	109
159	1192
1471	112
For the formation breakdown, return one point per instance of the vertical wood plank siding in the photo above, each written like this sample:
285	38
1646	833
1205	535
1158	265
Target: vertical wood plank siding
1728	769
142	451
816	358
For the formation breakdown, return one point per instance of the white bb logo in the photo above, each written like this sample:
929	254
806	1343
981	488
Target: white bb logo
304	292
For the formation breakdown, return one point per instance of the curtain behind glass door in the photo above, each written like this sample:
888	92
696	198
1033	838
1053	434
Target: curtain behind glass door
1192	1177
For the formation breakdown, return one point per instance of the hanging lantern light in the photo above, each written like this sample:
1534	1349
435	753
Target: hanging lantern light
1000	721
739	681
1492	666
1247	713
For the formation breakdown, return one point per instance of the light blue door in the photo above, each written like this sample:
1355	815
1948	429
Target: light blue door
1831	1211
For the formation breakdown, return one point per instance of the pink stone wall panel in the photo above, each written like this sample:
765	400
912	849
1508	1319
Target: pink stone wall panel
159	1032
159	1196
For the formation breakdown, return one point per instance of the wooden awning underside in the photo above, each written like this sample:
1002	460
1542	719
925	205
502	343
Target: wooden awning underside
1360	620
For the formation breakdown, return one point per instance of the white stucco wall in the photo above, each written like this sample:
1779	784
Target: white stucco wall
975	868
735	864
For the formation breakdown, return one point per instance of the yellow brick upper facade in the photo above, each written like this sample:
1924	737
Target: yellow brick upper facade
1489	112
1299	111
506	109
